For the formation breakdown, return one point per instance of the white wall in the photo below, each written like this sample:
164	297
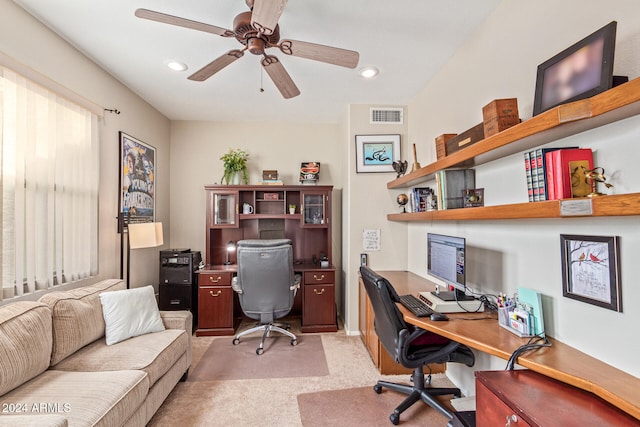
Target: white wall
500	61
26	40
367	201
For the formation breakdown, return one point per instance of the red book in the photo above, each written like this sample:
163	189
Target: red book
563	161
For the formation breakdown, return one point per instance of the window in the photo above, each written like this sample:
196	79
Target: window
50	170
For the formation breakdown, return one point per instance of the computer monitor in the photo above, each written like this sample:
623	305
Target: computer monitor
446	261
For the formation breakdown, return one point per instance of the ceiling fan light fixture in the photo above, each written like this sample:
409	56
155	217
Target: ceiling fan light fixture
369	72
176	65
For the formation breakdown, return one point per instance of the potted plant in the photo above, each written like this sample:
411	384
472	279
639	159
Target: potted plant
235	167
292	209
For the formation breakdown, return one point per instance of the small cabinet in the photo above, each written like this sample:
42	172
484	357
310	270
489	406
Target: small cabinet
319	314
315	208
223	209
526	398
215	304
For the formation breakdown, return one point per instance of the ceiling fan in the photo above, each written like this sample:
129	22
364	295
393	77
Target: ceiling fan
258	30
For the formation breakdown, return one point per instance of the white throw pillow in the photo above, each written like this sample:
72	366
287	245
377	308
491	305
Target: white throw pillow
129	313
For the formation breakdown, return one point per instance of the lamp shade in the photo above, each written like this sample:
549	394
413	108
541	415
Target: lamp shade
145	235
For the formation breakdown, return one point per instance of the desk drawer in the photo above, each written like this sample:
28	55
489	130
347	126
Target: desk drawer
320	277
215	279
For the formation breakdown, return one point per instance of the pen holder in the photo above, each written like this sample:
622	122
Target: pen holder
511	323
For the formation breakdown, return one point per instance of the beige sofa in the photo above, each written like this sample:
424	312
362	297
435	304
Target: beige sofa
57	370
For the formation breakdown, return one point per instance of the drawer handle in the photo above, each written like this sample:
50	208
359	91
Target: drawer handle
319	278
511	418
216	280
217	294
315	291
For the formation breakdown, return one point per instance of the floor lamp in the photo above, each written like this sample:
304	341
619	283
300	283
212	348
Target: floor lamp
144	235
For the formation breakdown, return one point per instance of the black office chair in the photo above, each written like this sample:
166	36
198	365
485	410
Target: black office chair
266	286
410	346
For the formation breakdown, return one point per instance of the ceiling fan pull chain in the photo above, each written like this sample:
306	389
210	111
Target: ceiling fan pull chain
261	75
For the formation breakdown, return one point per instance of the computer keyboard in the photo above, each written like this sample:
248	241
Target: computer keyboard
415	305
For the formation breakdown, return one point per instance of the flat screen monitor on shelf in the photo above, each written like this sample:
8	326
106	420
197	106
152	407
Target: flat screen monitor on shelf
446	261
580	71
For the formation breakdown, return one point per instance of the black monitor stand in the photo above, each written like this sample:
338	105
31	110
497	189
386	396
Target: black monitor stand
455	295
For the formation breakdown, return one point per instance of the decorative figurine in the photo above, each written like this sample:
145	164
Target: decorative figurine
416	165
400	167
593	177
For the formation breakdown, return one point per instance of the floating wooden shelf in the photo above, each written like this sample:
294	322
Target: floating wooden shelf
615	205
613	105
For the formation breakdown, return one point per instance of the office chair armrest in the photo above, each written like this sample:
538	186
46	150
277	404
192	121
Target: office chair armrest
297	279
235	286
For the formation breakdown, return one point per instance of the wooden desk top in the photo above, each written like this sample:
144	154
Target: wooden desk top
233	268
562	362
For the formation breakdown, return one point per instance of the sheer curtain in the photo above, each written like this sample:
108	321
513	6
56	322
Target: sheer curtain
50	170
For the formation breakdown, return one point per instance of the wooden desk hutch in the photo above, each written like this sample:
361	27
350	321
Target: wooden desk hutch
308	227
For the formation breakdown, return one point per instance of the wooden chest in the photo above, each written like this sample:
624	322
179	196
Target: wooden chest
499	114
465	139
441	144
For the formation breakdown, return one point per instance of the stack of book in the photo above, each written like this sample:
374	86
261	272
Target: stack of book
449	186
421	198
557	173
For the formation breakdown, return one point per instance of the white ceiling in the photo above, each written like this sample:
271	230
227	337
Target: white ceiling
408	40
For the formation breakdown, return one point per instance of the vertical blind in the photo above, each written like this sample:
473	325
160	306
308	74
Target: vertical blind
50	176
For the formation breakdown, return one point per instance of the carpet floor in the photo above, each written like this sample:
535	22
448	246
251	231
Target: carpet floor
283	401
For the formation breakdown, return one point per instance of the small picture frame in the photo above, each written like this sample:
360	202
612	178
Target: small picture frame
473	197
376	153
591	270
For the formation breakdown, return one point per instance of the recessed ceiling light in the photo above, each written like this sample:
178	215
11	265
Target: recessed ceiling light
369	72
176	66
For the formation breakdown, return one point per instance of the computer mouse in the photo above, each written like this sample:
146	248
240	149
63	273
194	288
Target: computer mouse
438	317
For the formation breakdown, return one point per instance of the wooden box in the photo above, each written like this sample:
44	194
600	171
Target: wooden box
271	196
441	144
465	139
500	114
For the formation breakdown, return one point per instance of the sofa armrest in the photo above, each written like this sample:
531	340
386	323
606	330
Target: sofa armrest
180	319
44	420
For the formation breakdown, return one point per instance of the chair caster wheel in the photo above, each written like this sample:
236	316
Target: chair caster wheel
236	341
259	351
395	419
294	342
377	388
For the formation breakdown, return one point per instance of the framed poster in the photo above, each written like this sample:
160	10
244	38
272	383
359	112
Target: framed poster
376	153
137	181
591	270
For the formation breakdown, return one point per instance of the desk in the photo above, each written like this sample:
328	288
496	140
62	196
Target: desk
560	361
218	307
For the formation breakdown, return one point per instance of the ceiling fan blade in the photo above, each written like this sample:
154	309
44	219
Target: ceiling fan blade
280	77
216	65
318	52
265	15
182	22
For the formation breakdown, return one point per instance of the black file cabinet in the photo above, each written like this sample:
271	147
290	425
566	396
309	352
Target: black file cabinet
178	288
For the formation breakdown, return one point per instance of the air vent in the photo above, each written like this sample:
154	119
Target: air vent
386	116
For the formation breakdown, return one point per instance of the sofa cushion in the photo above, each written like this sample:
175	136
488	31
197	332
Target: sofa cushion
39	420
84	398
129	313
152	353
25	334
77	317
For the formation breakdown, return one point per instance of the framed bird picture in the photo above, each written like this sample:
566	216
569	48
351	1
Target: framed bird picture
591	270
